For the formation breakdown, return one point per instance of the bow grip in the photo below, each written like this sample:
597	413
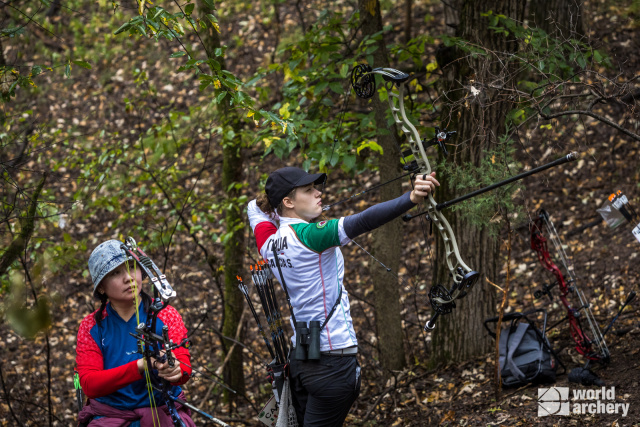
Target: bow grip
167	345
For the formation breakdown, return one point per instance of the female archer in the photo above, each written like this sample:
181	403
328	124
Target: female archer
309	263
111	370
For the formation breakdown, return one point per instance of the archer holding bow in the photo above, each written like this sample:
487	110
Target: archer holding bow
310	267
112	371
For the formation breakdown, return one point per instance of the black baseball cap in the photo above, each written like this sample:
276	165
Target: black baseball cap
282	181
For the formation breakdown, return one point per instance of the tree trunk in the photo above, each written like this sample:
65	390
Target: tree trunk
387	239
3	63
233	246
479	121
561	19
233	258
408	23
451	16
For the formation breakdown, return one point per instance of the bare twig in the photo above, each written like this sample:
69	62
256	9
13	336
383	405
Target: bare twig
20	242
6	396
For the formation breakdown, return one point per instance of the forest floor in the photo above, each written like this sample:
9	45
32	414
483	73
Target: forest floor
464	395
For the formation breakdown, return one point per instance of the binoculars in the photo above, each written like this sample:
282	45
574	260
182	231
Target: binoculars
308	340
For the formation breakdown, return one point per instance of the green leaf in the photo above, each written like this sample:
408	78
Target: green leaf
212	18
188	9
205	81
35	70
597	56
83	64
349	161
67	70
123	27
372	145
336	87
344	71
294	63
320	87
158	11
220	97
178	54
209	4
371	49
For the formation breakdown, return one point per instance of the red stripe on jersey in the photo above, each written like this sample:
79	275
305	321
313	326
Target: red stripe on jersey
263	231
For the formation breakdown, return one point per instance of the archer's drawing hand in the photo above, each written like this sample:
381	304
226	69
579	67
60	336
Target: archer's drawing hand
423	185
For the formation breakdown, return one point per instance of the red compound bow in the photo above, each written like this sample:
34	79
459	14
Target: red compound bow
592	346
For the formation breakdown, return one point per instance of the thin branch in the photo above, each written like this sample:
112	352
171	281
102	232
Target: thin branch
6	395
590	114
20	242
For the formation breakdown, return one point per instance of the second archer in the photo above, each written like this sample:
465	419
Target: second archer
325	375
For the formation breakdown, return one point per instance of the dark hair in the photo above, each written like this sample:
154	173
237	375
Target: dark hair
265	206
146	302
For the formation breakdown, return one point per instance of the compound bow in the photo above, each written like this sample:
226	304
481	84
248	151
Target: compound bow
442	300
594	347
151	344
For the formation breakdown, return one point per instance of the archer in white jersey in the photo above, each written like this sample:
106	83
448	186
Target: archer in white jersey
312	266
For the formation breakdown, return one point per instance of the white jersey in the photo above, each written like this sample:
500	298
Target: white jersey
313	268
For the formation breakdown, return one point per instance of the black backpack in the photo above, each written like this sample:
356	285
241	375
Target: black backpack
525	353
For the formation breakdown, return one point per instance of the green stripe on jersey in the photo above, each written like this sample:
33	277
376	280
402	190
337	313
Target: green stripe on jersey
318	236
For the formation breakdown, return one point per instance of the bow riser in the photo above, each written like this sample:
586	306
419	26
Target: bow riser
457	267
583	344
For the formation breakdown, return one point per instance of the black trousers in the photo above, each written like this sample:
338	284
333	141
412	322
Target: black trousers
324	390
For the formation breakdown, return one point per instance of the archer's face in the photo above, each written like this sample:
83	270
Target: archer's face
118	284
306	204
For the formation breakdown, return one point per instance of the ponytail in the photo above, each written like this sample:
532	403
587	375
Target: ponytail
103	305
263	203
265	206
